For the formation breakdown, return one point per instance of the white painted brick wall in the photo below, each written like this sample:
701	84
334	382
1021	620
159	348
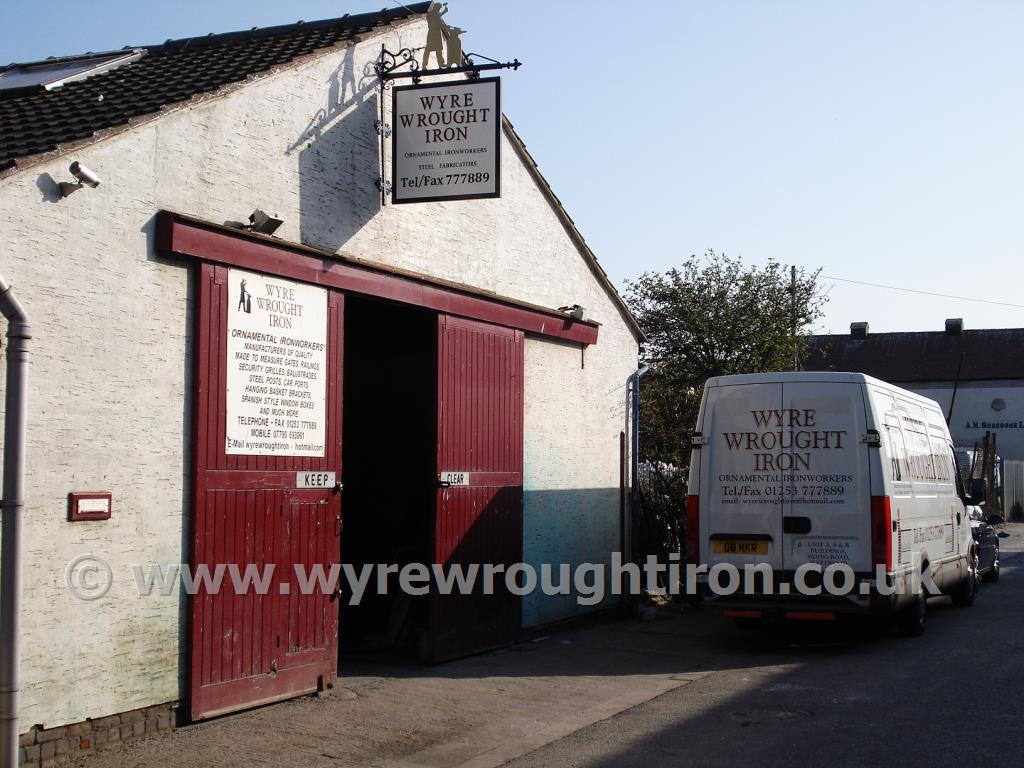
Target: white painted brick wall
110	374
574	417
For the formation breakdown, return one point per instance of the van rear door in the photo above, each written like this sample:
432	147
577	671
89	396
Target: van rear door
741	504
827	487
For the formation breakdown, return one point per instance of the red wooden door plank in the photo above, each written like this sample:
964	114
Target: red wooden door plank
479	432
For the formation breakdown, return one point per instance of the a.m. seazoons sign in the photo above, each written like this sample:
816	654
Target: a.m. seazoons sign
447	141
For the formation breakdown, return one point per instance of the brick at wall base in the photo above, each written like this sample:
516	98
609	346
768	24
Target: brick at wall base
49	747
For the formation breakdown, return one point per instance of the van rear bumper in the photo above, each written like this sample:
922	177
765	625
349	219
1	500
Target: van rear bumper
786	599
780	605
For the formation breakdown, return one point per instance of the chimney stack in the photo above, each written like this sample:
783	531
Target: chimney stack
859	330
954	326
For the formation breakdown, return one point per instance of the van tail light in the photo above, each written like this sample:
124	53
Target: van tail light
693	530
881	531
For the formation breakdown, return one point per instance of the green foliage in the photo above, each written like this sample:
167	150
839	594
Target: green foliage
713	316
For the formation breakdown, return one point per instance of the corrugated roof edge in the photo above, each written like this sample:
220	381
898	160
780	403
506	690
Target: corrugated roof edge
570	227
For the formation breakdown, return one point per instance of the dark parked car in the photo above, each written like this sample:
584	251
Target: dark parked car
986	538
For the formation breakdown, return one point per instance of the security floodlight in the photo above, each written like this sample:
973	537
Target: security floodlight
575	311
263	223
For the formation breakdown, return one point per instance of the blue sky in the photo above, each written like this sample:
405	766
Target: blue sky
878	140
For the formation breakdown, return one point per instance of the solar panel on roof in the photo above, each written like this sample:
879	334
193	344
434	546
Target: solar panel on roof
50	73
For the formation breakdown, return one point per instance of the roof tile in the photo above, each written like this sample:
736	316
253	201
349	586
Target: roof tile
34	120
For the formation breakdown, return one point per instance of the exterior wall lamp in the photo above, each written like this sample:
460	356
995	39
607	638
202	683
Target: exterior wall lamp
263	223
575	311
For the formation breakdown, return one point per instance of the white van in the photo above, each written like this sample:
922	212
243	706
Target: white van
797	479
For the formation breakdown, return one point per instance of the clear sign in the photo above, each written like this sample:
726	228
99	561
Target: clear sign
447	141
455	478
276	366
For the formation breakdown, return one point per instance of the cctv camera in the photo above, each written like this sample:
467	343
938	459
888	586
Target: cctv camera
84	175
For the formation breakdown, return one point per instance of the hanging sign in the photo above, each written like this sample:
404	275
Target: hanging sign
276	366
447	141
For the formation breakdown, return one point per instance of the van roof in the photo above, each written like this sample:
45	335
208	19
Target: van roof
824	377
782	377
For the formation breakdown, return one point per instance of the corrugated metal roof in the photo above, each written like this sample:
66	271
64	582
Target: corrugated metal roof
34	119
923	356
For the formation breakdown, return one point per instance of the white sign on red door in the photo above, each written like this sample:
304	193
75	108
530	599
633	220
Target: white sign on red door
276	366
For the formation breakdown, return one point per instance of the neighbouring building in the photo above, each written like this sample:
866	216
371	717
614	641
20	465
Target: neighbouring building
976	376
429	390
984	368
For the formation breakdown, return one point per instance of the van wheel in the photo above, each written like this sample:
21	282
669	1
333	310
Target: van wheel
912	620
993	575
964	593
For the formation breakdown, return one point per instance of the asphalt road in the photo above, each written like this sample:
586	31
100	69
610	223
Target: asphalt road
833	695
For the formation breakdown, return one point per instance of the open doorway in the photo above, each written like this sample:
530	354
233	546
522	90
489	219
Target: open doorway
388	457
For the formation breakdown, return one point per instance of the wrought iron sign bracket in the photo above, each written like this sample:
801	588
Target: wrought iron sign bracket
389	64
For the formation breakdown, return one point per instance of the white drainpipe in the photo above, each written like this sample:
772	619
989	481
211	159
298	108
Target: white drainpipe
15	427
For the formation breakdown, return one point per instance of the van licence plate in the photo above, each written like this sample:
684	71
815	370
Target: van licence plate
740	547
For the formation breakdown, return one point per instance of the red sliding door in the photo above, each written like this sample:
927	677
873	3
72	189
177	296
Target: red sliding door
479	513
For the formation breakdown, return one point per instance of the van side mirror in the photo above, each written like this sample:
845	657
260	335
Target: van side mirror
996	520
979	490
